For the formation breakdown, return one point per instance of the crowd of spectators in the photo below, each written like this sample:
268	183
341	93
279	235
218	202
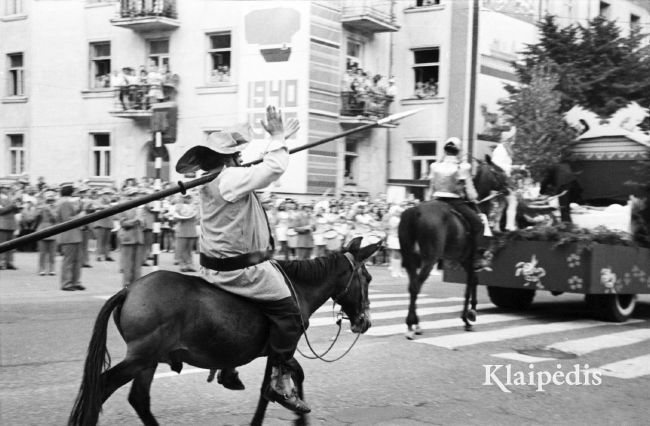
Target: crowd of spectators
140	89
365	93
426	89
220	75
301	229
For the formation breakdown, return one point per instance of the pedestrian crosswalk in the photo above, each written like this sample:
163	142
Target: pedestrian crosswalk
443	329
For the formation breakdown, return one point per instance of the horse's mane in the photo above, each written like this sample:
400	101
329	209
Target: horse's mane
310	270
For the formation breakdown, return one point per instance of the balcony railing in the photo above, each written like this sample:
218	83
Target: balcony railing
147	15
136	100
372	16
368	105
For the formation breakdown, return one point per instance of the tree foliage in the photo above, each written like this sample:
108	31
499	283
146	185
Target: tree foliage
597	67
542	137
593	66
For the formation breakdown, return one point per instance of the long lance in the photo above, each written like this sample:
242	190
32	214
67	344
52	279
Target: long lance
181	187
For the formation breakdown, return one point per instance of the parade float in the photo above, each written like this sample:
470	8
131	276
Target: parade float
598	254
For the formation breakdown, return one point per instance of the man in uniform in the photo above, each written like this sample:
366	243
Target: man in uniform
102	227
69	208
451	181
236	243
9	206
131	238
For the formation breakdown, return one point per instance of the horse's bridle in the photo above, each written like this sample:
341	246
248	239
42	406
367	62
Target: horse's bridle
356	270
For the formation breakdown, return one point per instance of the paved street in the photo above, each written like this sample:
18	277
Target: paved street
385	380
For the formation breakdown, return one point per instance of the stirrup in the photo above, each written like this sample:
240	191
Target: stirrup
290	402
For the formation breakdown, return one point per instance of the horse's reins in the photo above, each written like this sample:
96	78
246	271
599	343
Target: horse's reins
340	316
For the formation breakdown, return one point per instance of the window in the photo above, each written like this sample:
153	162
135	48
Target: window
13	7
351	156
101	154
100	65
426	68
219	51
16	154
353	54
16	80
423	154
604	9
421	3
159	54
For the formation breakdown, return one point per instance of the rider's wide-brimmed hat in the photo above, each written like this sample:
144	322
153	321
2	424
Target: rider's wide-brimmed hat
227	142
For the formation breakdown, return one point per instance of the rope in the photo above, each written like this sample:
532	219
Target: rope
304	329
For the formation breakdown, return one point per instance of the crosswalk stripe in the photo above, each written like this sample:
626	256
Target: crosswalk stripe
516	356
387	330
316	322
586	345
604	341
626	369
464	339
388	303
391	295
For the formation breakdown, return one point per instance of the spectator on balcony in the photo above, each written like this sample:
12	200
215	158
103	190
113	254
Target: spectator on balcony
155	81
348	79
120	82
391	90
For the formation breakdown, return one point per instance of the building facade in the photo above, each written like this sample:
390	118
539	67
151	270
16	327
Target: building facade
221	62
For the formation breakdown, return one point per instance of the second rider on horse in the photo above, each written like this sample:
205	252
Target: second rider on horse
450	180
236	244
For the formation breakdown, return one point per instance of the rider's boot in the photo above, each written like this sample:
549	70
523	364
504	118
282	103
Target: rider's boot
282	391
482	257
229	378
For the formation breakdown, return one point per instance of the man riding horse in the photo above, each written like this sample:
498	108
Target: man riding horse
451	181
236	243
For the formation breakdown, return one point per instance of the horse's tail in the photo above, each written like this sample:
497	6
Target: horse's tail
89	401
407	234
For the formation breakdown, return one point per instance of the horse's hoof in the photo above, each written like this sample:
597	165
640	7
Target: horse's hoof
468	327
471	315
418	330
410	335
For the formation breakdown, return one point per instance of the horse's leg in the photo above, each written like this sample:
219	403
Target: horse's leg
298	375
416	280
119	375
262	403
139	395
469	315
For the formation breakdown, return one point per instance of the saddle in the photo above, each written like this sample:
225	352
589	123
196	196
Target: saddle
456	213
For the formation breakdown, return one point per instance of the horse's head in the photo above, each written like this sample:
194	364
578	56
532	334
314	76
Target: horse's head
353	294
489	177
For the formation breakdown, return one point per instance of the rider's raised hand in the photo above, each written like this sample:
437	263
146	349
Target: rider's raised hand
273	124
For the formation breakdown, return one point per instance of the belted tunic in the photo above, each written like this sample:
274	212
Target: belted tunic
451	178
233	223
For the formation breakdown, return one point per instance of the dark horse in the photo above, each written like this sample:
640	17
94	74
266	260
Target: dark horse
167	317
491	184
433	231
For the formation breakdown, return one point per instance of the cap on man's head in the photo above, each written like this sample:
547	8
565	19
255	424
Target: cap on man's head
452	145
226	142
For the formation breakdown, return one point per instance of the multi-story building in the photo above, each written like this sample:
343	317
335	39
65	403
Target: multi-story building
62	116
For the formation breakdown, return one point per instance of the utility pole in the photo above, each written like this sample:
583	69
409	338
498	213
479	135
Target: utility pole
157	205
472	79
